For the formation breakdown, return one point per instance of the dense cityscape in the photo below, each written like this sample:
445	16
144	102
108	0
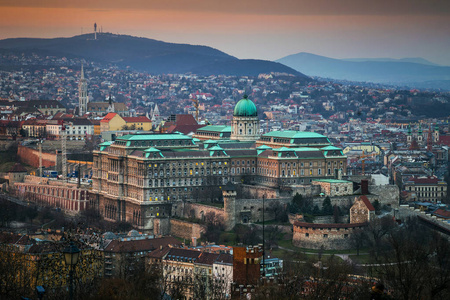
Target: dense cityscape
121	183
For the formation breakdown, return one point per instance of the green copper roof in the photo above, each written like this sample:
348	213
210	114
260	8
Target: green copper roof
284	149
152	149
216	148
306	149
264	147
331	180
294	134
245	108
216	128
329	148
150	137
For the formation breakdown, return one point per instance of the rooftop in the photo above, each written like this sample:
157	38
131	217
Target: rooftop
293	134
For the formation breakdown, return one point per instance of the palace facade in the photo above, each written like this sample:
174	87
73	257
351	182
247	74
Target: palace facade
137	177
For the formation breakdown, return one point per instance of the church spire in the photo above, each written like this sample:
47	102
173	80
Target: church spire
83	97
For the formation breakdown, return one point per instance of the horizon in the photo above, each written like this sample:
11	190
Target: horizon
251	29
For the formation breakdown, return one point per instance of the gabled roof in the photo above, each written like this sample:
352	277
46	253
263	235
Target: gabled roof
108	117
367	202
207	258
137	119
17	168
442	213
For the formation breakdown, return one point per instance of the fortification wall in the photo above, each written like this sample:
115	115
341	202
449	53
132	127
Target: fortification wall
250	210
186	230
31	157
387	194
199	211
252	191
306	190
328	236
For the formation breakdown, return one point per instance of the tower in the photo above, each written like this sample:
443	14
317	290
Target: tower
409	136
229	200
420	136
95	31
245	123
83	97
110	105
436	134
155	114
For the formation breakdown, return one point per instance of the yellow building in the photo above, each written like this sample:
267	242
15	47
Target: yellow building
112	121
138	123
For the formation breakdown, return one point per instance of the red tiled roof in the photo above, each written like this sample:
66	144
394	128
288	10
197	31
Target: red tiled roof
207	258
141	245
136	119
424	180
444	140
367	202
12	238
108	117
442	213
17	168
185	119
225	258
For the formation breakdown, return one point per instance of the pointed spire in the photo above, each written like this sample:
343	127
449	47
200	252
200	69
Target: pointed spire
82	71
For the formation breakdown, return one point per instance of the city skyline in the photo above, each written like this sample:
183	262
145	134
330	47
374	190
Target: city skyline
251	29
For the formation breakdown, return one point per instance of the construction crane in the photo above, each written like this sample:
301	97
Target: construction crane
195	100
363	158
63	152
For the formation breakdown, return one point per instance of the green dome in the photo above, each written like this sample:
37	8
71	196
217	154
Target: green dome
245	108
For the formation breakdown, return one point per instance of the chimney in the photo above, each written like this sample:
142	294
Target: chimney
364	186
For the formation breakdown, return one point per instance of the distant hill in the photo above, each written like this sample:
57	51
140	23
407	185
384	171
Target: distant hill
147	55
416	60
395	72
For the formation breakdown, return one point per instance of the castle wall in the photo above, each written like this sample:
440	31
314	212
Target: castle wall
199	211
31	157
330	236
186	230
387	194
250	210
259	191
306	190
335	188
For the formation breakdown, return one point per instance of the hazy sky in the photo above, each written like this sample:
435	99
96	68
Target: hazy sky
250	28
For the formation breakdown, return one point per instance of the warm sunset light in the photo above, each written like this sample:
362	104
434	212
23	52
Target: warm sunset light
250	29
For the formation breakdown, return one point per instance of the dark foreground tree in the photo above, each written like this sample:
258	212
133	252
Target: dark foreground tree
414	262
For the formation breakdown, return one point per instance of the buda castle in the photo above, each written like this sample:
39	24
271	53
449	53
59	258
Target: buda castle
138	177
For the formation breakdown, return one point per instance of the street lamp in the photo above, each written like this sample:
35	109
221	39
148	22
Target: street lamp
71	255
264	239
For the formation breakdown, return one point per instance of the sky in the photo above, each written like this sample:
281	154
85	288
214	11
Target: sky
258	29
